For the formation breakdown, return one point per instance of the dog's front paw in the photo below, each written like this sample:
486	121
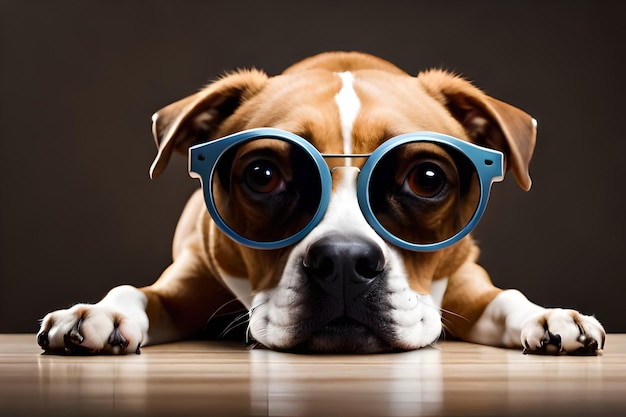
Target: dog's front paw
556	331
89	329
116	325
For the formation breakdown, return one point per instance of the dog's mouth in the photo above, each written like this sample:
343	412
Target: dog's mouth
344	335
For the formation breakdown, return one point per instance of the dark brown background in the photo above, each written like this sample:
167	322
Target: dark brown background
80	80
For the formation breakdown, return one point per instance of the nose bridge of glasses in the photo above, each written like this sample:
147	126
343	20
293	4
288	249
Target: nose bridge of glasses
343	173
335	161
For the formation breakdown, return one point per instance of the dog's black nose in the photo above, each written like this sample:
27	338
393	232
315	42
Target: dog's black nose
344	266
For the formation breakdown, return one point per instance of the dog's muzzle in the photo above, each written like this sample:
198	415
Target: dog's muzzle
345	271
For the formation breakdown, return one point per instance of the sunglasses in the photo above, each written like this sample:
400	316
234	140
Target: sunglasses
268	188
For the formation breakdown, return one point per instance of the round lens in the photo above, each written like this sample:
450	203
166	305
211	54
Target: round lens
424	193
266	190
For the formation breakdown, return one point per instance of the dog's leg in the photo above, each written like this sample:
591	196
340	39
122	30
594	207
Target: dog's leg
176	306
478	312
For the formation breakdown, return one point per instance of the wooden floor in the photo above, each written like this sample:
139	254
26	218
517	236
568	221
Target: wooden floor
228	379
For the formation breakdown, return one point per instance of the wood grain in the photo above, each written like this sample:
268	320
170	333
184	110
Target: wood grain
227	379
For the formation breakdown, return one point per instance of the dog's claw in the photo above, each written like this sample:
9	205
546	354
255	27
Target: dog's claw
117	339
590	346
74	334
73	339
551	342
43	340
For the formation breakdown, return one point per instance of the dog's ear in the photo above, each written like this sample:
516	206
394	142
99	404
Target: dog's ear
196	118
487	121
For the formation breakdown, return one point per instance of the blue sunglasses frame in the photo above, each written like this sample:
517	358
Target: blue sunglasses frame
203	159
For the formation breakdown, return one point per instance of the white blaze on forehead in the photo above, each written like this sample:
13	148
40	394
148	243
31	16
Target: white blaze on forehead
349	106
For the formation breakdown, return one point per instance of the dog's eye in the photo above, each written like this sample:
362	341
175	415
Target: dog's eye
426	179
263	177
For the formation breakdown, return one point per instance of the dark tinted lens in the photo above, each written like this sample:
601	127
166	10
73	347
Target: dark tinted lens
424	193
266	190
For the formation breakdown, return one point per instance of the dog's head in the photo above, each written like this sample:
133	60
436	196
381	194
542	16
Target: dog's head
343	286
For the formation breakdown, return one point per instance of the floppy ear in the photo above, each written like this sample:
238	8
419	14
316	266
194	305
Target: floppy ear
487	121
196	118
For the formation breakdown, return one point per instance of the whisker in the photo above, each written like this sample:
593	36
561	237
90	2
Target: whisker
452	313
255	345
443	310
227	303
445	330
236	322
250	312
216	314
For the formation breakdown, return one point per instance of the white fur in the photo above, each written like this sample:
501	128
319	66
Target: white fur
349	106
500	323
239	286
438	290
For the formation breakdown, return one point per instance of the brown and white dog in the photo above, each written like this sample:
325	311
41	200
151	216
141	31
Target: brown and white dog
342	103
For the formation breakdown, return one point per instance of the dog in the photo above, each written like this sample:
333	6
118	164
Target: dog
336	206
